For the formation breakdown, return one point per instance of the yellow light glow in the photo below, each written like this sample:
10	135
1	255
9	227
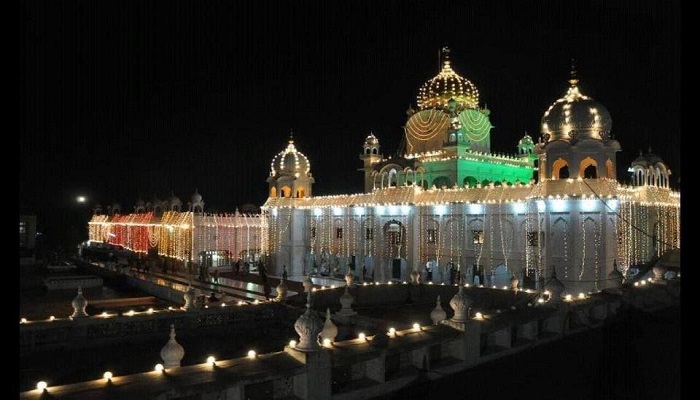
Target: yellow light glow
479	316
41	385
23	321
568	297
292	343
211	360
51	318
540	300
150	310
416	326
392	332
223	304
159	368
326	342
581	295
251	354
361	336
107	375
131	313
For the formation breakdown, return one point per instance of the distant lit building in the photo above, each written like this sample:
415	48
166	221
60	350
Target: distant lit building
160	227
27	238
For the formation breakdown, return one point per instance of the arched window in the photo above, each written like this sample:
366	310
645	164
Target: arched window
301	192
374	151
590	172
273	192
286	191
469	181
560	169
367	150
588	168
441	181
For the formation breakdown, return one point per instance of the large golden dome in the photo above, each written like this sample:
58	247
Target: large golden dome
437	92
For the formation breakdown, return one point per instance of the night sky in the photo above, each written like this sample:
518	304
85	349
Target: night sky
128	99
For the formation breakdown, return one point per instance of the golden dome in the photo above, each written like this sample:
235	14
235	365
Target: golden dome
290	161
437	92
575	116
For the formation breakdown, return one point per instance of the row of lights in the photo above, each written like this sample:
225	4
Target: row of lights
131	313
108	375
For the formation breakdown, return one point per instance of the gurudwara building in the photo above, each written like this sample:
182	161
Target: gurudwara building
448	205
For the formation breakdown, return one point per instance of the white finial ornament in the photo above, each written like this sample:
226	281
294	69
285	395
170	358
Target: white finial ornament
189	299
308	326
460	303
79	304
172	352
438	314
346	301
281	290
330	331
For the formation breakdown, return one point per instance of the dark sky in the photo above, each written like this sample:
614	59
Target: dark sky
121	99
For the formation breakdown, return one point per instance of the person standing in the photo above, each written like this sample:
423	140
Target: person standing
284	272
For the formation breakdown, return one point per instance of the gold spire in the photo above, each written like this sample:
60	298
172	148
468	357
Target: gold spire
573	80
291	136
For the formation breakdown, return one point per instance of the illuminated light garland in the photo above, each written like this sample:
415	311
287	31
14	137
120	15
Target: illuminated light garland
583	246
476	124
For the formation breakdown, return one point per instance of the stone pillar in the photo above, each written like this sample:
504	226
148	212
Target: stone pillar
376	369
527	331
315	382
502	337
420	358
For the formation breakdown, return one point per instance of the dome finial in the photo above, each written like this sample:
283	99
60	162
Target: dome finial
445	58
574	79
291	135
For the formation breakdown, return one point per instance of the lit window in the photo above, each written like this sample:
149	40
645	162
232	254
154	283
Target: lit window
478	237
533	238
432	236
